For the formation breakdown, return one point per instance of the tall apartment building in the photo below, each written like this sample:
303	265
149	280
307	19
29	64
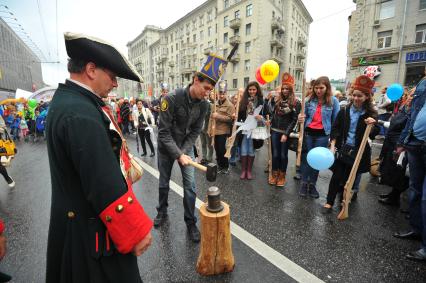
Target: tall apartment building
391	35
19	66
264	29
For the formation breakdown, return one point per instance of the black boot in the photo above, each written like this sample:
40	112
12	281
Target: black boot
391	199
4	277
194	234
160	219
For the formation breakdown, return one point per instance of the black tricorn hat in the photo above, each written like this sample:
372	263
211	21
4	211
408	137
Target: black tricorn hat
100	52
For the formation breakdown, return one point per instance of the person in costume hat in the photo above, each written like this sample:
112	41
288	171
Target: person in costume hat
182	114
284	118
347	133
321	110
223	116
97	225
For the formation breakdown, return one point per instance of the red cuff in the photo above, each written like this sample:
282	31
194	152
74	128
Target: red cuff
1	226
126	221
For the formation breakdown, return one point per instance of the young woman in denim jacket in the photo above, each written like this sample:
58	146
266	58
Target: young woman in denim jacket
284	118
252	98
320	112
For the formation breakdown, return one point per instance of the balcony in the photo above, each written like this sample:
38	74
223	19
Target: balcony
235	23
299	67
277	41
160	70
208	50
163	57
277	24
236	39
172	75
171	64
278	58
188	70
236	58
301	54
301	41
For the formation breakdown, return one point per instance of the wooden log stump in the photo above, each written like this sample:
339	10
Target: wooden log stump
216	255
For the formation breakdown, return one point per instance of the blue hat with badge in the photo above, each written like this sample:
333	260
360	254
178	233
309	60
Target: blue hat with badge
213	68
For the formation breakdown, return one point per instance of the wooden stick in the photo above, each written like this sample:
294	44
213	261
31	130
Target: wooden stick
269	148
213	129
301	127
347	194
231	139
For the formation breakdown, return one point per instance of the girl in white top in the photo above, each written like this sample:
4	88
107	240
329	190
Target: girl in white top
144	122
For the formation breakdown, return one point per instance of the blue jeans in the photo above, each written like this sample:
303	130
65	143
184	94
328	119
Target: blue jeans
384	117
235	154
280	152
247	146
165	165
309	174
417	191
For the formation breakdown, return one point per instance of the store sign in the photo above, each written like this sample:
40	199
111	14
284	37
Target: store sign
374	60
412	57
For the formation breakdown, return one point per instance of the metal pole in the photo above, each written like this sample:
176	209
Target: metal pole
401	42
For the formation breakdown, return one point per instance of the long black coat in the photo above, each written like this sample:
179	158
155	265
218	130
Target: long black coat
339	132
86	178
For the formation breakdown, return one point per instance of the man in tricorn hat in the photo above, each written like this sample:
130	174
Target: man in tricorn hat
97	226
182	116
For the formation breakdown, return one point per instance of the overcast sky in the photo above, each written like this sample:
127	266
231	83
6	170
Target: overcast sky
121	21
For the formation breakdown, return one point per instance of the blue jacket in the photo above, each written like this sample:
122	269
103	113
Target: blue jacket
328	113
416	105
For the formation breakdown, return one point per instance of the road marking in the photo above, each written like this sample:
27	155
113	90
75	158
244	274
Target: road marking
283	263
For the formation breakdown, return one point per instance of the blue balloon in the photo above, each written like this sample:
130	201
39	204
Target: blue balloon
394	92
320	158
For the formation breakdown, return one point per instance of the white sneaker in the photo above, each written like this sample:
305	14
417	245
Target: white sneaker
11	185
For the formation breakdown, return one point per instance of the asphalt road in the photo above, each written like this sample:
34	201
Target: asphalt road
359	249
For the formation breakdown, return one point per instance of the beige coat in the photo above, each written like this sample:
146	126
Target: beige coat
224	121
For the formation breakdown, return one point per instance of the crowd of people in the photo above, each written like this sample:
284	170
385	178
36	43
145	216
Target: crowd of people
330	119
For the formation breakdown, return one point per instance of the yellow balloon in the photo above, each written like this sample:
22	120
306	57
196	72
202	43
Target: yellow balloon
269	70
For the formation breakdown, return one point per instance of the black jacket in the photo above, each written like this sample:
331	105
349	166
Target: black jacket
181	122
285	122
340	129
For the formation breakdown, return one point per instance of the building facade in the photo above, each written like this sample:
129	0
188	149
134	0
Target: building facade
264	29
19	66
389	36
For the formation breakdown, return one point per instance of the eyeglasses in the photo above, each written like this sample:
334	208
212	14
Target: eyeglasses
110	74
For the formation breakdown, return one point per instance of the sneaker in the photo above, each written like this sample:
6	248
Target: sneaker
159	219
194	234
297	176
303	192
224	171
313	193
11	183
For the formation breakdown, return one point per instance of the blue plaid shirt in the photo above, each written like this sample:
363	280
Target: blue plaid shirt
355	113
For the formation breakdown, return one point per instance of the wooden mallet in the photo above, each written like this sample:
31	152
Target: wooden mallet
210	169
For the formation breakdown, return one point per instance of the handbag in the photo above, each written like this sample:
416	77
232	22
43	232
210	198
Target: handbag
7	146
136	170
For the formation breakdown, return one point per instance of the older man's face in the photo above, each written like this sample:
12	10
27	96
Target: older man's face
104	82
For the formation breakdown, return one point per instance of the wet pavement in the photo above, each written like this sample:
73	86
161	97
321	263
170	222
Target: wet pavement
360	249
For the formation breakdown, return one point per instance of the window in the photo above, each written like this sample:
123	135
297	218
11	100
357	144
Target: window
201	35
246	81
237	14
248	29
225	21
384	39
247	65
290	58
225	37
234	83
209	31
237	31
209	16
249	10
235	67
225	52
194	38
422	5
247	47
201	21
226	3
420	33
387	9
